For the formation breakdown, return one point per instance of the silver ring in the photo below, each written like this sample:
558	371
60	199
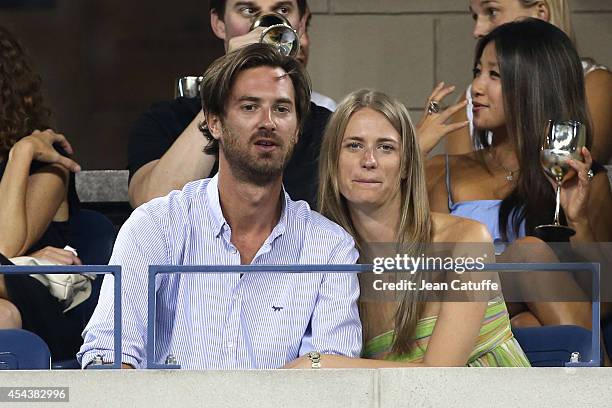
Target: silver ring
434	107
590	175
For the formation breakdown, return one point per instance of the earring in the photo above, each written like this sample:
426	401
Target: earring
203	127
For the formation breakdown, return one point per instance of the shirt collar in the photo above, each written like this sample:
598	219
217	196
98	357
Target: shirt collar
218	220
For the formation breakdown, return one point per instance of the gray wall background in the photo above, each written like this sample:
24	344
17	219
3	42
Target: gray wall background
405	47
103	62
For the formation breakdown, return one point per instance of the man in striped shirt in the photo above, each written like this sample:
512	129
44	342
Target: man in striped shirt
255	102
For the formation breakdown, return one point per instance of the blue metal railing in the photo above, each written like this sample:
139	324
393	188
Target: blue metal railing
97	269
154	270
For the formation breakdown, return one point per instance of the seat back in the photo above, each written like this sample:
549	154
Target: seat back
92	234
607	335
552	346
23	350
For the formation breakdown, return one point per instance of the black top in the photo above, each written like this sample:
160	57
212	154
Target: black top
156	130
56	234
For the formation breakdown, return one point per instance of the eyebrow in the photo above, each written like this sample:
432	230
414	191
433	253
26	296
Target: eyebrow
489	63
248	98
283	3
246	4
255	6
379	140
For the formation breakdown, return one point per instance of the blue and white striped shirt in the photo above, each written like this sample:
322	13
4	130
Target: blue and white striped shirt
222	321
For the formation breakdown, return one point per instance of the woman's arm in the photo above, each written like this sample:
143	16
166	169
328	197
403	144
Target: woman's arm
450	345
435	172
597	225
598	86
29	202
587	203
458	323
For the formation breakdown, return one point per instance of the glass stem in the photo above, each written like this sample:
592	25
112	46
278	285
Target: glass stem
558	204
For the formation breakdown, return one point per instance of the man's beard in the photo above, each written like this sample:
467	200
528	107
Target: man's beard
259	168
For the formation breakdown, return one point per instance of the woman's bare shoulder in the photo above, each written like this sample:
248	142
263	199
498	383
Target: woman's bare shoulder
598	77
436	165
450	228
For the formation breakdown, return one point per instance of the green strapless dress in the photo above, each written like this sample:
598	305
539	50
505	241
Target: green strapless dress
495	345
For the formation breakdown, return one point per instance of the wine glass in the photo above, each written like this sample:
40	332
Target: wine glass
563	141
188	87
278	33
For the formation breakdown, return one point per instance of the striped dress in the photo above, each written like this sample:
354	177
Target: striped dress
495	345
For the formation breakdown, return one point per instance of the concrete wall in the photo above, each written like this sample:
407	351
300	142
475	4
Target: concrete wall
405	47
411	387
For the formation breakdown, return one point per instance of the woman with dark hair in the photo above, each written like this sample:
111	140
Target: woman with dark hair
525	73
373	185
488	15
38	196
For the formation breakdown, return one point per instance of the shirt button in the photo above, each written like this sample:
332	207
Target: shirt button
235	297
230	344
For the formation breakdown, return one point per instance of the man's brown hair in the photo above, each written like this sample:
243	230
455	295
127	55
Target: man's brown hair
219	79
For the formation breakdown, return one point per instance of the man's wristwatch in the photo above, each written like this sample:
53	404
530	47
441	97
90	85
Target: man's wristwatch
315	359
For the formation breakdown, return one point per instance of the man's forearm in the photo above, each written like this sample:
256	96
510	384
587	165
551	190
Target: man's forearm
183	162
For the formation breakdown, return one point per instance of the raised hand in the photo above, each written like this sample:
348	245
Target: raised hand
252	37
432	127
40	144
575	191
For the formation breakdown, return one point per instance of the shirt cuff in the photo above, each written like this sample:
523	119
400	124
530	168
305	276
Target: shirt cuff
108	357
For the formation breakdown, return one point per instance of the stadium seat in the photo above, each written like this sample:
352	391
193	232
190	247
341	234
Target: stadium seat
607	335
552	346
92	234
23	350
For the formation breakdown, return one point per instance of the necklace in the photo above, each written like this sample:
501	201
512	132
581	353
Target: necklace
509	173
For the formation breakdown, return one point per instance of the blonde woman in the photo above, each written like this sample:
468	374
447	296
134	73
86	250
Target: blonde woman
489	14
372	183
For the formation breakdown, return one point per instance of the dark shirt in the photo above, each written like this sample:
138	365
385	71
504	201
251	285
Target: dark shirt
156	130
56	234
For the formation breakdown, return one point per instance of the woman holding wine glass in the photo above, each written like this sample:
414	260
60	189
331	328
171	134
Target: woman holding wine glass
525	74
489	14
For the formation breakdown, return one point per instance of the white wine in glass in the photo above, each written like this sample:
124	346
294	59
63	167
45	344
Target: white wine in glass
563	141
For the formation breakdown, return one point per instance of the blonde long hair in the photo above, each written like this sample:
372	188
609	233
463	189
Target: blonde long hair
560	14
415	227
